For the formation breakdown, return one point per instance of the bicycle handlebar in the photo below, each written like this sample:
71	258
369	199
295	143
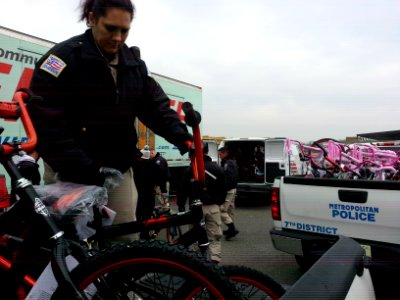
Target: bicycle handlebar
325	153
193	119
14	110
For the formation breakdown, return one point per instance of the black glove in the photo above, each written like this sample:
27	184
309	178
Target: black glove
192	117
182	138
184	147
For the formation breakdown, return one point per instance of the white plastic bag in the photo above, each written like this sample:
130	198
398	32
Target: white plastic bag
72	202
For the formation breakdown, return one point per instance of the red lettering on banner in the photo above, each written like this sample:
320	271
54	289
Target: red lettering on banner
5	68
25	79
179	111
177	106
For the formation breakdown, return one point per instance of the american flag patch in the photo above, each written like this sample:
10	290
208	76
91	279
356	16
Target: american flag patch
53	65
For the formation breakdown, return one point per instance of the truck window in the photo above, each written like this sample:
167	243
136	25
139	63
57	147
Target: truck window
274	150
213	150
296	165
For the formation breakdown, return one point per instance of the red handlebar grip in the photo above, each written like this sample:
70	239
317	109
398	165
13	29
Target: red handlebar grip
30	144
193	119
198	145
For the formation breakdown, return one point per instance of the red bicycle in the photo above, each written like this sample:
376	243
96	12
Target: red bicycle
146	269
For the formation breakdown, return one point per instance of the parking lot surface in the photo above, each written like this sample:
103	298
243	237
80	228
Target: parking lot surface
253	248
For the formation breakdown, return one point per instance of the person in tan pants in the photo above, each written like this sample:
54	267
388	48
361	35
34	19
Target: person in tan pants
228	207
212	195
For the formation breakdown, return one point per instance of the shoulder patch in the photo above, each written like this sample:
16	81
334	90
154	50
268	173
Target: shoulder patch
53	65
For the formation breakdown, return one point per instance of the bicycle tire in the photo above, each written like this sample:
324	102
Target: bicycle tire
253	284
322	140
151	269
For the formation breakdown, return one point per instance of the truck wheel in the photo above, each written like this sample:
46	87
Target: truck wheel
305	262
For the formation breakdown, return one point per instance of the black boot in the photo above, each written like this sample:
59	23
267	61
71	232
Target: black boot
231	232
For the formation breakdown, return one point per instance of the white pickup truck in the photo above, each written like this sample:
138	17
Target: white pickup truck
309	215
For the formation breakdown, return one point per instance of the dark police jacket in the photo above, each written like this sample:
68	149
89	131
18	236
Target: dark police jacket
231	173
163	174
85	120
214	191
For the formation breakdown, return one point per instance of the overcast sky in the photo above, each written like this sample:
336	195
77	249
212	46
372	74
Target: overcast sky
304	69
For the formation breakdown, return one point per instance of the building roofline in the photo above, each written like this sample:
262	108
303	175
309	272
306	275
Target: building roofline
381	135
15	33
176	80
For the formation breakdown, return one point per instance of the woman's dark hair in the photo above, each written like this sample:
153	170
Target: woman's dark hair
100	7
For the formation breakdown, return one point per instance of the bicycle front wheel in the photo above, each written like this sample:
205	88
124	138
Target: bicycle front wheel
253	284
151	269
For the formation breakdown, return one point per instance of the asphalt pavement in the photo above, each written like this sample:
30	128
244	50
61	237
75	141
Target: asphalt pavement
253	248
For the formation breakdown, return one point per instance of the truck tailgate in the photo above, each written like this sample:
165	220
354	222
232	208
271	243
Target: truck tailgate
356	208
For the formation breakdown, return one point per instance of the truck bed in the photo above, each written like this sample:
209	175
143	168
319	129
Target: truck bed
314	212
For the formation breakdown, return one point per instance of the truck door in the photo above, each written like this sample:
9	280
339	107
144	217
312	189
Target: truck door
294	164
274	159
212	150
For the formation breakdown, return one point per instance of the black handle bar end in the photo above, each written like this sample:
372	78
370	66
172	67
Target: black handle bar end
192	117
31	96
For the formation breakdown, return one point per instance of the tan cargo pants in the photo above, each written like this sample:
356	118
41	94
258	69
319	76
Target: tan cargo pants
212	218
228	208
123	201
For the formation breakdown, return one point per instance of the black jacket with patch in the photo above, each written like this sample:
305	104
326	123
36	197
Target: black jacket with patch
86	121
